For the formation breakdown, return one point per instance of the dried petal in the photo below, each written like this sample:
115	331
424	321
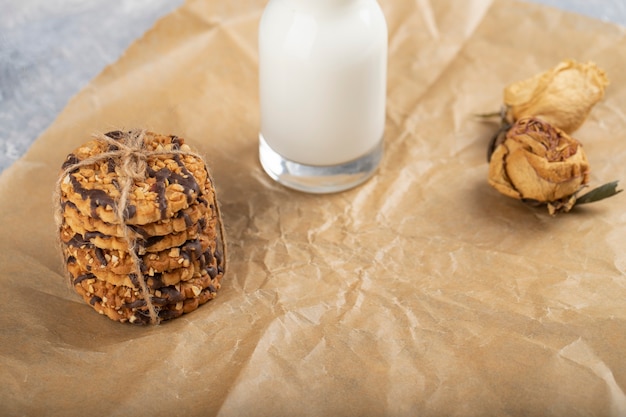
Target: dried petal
562	96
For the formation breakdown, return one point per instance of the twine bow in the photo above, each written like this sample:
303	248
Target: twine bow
128	151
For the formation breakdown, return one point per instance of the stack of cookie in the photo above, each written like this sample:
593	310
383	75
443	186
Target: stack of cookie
161	254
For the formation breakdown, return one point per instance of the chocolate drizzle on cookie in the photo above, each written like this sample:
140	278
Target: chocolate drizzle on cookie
83	277
116	134
165	177
176	142
100	256
71	160
96	197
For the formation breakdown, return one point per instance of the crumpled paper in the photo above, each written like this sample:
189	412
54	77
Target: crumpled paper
422	292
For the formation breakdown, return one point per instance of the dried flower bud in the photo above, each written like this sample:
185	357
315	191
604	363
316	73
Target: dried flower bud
538	162
562	96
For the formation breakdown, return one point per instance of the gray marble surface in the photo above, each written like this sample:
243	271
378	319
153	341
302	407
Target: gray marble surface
50	49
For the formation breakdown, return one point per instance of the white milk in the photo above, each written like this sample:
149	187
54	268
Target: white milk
322	75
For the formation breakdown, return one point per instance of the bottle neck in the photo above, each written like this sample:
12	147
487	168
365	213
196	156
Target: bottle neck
318	5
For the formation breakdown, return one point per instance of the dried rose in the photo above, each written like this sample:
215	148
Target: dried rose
562	96
532	157
540	163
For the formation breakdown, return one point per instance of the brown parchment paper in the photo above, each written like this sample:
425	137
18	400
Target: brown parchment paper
422	292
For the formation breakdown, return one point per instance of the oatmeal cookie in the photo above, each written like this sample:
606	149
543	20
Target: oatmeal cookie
126	304
143	246
203	263
173	181
181	221
120	262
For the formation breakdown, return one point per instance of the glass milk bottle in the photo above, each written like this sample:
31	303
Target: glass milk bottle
322	79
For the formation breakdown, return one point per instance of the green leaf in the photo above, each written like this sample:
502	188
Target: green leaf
600	193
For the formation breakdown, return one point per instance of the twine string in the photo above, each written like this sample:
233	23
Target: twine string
131	156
